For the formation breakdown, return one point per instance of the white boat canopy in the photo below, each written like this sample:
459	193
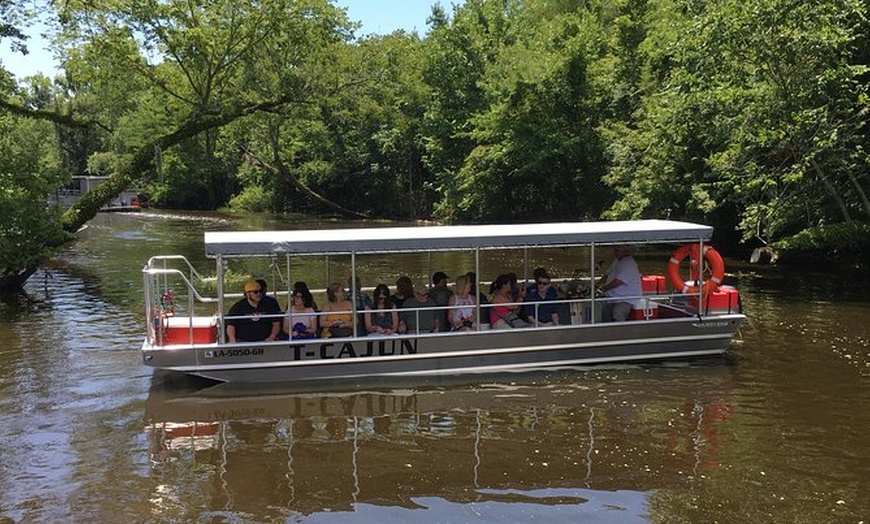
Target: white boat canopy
442	238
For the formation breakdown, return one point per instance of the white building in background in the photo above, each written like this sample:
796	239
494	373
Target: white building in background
67	196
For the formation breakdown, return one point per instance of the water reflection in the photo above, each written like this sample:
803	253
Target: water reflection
554	440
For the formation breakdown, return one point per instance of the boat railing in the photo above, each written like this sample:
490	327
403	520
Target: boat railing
403	312
193	293
576	310
167	288
165	259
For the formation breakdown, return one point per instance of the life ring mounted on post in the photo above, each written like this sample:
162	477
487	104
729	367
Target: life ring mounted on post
711	256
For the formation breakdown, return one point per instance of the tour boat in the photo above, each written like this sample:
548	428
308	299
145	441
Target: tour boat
187	312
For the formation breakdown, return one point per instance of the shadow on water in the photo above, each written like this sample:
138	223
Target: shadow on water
15	304
166	382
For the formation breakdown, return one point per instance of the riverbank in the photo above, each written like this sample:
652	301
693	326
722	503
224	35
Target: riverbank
838	247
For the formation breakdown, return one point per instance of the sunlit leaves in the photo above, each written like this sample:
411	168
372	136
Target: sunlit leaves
758	103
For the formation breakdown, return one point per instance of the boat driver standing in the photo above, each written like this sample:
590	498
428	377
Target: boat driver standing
249	326
622	279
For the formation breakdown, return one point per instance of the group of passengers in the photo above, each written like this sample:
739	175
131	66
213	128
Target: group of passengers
420	308
514	306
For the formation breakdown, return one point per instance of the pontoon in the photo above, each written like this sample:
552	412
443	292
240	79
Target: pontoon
186	312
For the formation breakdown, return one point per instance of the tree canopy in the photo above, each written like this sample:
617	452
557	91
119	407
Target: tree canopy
749	115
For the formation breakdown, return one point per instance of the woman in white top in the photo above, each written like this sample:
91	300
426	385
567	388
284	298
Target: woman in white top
463	316
301	319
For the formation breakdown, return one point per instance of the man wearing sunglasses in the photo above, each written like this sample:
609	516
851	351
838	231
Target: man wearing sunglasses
246	322
541	291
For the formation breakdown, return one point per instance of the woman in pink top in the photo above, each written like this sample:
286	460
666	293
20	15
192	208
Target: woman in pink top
503	312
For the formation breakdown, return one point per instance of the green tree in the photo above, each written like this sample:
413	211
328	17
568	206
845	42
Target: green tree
29	226
538	153
12	18
372	131
202	61
753	111
354	148
207	65
457	54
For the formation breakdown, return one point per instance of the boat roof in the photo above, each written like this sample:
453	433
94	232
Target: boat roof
442	238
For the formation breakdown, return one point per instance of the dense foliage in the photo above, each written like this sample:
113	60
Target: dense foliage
28	228
843	242
747	114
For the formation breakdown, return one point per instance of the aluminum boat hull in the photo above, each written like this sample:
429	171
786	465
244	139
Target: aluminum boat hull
450	353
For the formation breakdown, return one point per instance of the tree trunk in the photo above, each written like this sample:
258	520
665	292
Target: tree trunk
290	179
86	208
832	190
864	200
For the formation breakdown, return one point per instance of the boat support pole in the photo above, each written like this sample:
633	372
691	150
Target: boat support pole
429	273
477	285
219	273
353	292
526	267
289	283
592	277
700	282
149	309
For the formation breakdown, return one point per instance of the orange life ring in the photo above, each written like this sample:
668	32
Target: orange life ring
717	268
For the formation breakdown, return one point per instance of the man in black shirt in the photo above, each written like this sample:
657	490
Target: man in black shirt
253	328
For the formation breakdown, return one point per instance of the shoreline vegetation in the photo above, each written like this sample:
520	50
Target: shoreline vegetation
841	245
750	117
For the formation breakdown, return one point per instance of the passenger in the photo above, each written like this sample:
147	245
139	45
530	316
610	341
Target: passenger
363	301
622	279
429	321
540	291
464	316
441	294
252	328
269	301
382	318
301	319
518	294
303	287
404	290
338	318
503	313
472	279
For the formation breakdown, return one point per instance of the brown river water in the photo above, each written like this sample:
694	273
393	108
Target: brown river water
778	432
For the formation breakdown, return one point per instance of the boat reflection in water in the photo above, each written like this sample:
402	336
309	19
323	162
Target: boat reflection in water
592	441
